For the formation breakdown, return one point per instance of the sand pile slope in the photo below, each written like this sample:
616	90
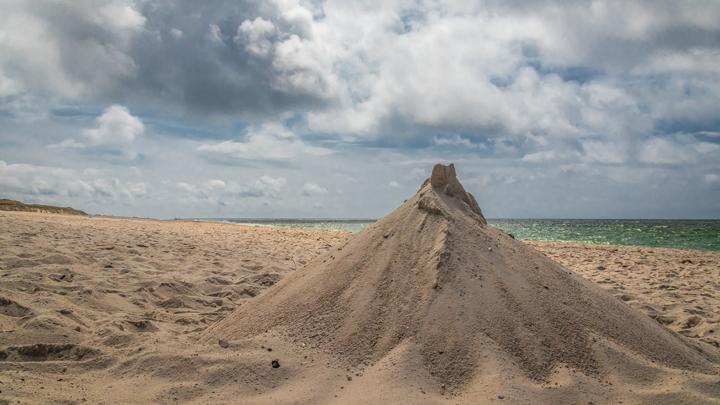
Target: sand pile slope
432	281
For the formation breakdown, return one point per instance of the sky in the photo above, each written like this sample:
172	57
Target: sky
339	109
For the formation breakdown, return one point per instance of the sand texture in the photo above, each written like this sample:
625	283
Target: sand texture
678	288
106	310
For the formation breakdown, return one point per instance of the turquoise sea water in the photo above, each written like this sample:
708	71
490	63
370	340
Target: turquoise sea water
352	225
688	234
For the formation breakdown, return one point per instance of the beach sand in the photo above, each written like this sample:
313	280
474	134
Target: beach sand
107	310
678	288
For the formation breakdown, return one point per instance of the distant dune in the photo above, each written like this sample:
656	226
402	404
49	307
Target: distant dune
12	205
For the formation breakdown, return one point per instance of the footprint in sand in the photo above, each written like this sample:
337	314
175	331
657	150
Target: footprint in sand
65	275
48	352
56	259
11	308
142	325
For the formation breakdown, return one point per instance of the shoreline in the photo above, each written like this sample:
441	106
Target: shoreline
262	225
335	220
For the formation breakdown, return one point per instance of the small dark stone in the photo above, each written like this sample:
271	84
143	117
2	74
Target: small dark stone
511	235
269	349
501	397
275	364
601	267
223	344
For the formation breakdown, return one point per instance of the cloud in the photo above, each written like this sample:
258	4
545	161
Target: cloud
46	183
214	34
116	126
457	141
68	49
301	66
114	133
309	189
67	144
623	93
257	36
176	33
393	184
221	192
542	156
367	70
268	142
581	150
677	150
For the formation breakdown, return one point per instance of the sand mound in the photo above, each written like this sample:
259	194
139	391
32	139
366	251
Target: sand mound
433	279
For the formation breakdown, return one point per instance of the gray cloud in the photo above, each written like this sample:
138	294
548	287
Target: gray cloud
622	95
377	68
67	50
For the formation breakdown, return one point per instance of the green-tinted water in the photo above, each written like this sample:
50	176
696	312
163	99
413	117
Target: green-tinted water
689	234
661	233
352	225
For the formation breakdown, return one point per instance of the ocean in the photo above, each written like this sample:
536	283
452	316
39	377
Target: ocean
687	234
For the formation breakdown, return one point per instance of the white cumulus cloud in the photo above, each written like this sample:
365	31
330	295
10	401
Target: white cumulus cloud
116	126
222	192
310	189
54	184
268	142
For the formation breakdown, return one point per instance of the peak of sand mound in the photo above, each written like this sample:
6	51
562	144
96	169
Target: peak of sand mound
444	180
432	281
